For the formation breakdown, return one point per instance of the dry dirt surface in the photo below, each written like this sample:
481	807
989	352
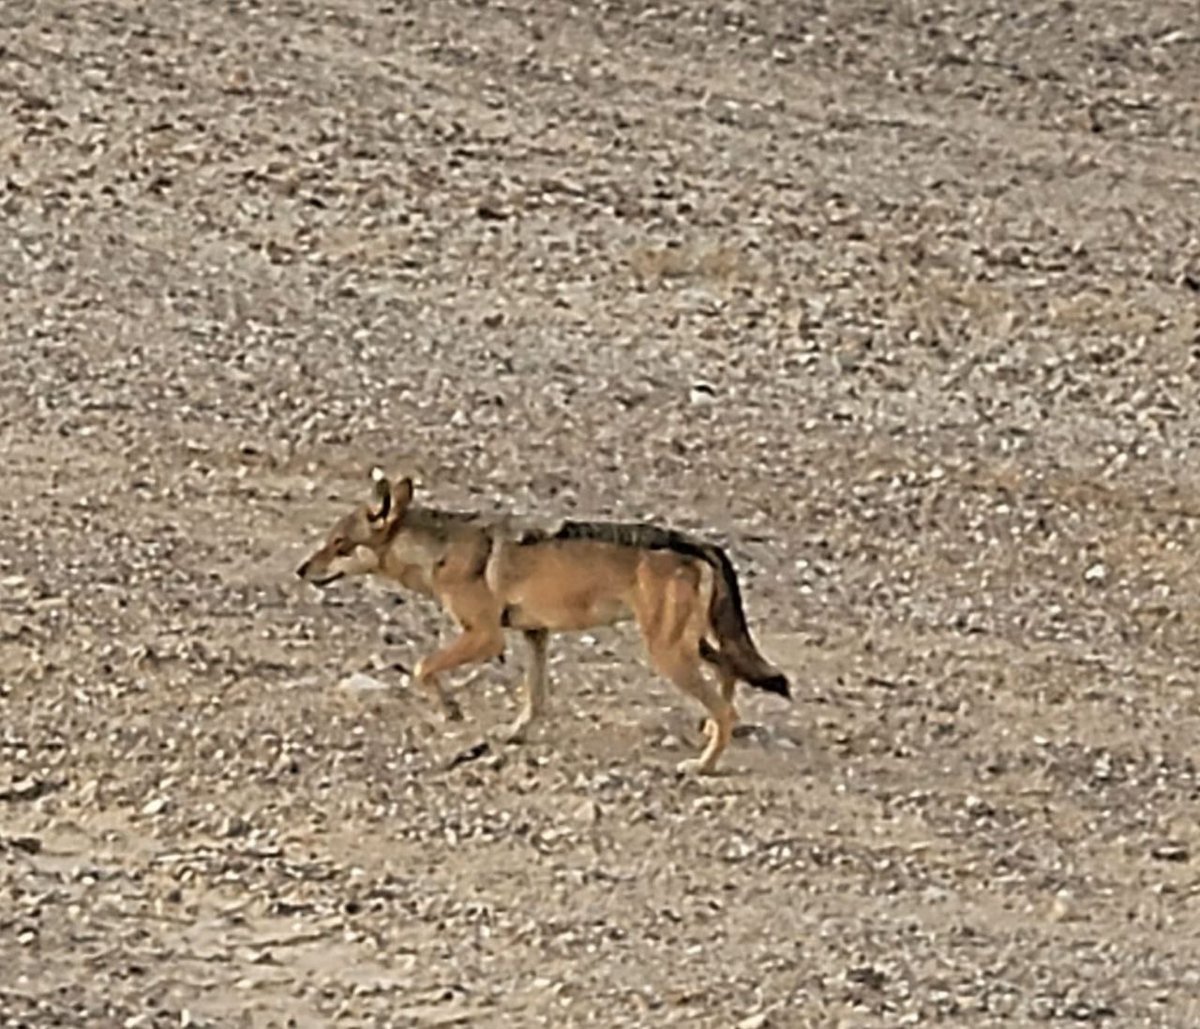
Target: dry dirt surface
898	301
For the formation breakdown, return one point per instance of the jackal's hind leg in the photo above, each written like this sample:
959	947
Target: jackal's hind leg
672	619
727	683
718	726
681	664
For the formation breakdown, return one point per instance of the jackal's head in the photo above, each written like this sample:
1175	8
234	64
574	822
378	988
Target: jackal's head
356	543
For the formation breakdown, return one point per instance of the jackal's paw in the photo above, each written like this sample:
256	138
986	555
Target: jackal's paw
518	732
694	766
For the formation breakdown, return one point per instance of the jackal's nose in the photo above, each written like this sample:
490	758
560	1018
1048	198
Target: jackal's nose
302	570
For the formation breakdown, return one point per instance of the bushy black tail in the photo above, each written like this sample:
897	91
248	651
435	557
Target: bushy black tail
736	651
773	682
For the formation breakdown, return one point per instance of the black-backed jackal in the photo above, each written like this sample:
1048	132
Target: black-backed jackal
491	574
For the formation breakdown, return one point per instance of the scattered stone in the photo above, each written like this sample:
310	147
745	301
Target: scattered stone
1170	851
360	681
25	844
471	753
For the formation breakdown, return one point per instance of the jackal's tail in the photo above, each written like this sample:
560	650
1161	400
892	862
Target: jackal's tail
736	651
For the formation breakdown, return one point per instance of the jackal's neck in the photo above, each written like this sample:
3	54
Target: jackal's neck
422	540
409	567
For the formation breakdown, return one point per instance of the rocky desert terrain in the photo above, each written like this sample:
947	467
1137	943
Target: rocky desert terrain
898	302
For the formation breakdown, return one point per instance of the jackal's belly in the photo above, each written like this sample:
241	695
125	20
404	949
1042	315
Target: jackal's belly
567	615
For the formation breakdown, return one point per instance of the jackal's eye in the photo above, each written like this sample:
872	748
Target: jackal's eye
341	545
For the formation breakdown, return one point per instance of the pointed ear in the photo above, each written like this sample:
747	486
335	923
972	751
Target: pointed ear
383	495
392	499
402	494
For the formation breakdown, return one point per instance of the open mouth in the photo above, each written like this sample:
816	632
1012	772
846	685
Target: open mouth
325	580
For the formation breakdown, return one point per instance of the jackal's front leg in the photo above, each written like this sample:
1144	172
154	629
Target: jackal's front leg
534	700
473	646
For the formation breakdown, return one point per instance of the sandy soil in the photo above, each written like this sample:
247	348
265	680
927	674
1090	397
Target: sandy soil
897	301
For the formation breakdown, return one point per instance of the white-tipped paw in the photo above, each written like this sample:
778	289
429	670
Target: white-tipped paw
694	766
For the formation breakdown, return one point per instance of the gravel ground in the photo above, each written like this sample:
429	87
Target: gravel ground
898	301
